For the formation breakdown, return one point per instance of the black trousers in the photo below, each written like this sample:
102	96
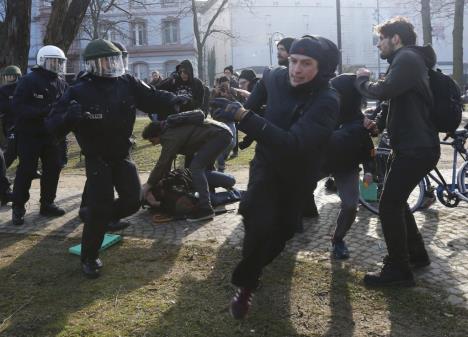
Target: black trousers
101	206
30	149
11	152
271	209
405	171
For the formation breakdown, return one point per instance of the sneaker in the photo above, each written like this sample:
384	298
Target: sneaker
51	210
340	251
241	302
201	214
99	263
390	275
18	216
419	260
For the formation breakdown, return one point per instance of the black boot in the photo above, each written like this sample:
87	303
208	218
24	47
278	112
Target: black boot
18	215
116	225
418	256
90	268
390	275
51	210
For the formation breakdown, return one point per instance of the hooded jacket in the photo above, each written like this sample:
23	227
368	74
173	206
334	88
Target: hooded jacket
6	112
192	88
406	87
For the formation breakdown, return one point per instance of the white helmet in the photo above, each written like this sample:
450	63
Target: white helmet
52	58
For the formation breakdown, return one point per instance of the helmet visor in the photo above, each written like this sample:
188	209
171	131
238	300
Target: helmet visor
55	65
109	66
9	78
125	61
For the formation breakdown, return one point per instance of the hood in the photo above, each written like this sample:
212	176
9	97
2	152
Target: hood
187	65
427	53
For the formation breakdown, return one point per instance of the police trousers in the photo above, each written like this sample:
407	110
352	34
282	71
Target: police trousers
101	205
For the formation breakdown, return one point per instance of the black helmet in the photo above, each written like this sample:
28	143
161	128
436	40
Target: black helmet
103	59
11	74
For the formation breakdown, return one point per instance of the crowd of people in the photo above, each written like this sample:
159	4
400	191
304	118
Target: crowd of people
306	121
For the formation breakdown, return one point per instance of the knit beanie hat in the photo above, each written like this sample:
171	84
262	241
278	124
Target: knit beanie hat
321	49
286	43
248	74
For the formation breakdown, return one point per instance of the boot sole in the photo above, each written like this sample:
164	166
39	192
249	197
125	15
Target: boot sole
208	217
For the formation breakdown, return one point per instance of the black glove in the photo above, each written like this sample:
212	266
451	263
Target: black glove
75	113
245	143
225	109
180	100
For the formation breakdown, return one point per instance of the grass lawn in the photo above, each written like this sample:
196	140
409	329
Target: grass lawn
150	289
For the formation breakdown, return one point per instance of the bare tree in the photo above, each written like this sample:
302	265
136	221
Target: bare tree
202	33
458	42
64	22
15	34
426	21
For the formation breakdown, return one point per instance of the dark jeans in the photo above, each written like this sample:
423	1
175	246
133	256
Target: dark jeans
271	209
30	149
102	176
204	159
405	171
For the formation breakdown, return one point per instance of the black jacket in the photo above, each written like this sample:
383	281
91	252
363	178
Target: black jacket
112	104
406	86
34	96
193	88
6	112
297	124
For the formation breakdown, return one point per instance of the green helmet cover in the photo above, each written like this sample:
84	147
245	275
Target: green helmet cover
100	48
11	71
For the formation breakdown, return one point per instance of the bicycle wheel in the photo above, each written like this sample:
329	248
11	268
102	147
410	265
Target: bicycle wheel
370	193
462	179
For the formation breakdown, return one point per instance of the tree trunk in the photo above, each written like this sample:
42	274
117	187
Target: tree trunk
458	43
426	21
15	34
64	22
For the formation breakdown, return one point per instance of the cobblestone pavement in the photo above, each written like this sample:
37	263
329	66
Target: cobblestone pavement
445	230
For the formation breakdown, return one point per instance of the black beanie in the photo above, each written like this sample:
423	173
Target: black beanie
248	74
230	68
286	43
321	49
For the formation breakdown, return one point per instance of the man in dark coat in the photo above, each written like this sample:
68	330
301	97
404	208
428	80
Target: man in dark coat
183	83
300	116
283	48
414	141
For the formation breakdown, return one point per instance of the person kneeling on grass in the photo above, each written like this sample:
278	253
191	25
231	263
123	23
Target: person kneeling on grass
188	133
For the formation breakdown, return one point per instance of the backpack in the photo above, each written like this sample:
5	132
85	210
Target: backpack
447	109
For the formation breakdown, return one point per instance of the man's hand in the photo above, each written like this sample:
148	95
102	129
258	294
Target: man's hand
75	113
363	72
370	125
227	110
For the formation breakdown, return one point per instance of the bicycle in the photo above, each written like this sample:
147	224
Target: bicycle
449	195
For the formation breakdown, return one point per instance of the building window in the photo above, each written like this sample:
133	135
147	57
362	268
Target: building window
139	33
141	70
170	67
168	3
137	3
170	31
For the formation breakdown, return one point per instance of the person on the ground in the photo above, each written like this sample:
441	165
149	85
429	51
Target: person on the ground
34	97
184	83
300	116
414	142
100	109
204	139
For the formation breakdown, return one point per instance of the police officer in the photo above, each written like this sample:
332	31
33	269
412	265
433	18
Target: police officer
10	77
101	109
32	101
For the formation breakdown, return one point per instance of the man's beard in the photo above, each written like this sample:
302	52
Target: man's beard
283	62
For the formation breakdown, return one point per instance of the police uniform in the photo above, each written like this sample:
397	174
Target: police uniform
103	127
33	98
